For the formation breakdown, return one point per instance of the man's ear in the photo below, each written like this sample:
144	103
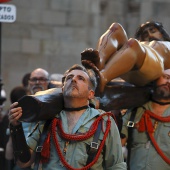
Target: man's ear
91	94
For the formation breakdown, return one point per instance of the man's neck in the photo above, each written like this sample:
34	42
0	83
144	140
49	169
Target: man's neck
75	102
159	109
73	116
72	119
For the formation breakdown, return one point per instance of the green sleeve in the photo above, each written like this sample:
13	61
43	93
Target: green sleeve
113	153
33	138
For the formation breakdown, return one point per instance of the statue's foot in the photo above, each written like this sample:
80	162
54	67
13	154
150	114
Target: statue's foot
100	79
91	55
89	65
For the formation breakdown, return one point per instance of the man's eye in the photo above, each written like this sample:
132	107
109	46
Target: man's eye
81	78
68	78
166	76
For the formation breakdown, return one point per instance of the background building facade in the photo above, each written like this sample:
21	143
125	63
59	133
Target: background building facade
52	33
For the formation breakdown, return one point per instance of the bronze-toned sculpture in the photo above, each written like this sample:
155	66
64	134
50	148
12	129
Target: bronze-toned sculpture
137	62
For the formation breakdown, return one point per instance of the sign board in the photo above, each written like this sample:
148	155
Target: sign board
7	13
1	1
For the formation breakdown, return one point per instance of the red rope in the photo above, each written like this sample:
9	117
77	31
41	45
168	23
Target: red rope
45	153
156	117
83	136
146	124
79	137
164	157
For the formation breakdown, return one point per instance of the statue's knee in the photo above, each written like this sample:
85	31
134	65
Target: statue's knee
115	26
137	52
133	43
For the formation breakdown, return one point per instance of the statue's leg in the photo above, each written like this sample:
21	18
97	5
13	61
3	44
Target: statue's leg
112	40
130	56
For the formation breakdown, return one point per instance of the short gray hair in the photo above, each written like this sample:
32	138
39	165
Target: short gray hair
90	73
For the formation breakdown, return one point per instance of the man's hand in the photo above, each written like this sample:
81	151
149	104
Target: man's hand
14	114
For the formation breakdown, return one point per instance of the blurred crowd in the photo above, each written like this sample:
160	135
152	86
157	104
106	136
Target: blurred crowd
37	80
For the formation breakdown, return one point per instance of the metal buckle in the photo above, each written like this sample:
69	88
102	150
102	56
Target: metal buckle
94	145
39	148
130	124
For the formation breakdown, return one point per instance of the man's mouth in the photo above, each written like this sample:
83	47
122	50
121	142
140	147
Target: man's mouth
166	86
37	88
73	86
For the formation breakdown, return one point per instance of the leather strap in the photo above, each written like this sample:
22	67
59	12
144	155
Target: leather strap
94	145
40	144
20	147
130	139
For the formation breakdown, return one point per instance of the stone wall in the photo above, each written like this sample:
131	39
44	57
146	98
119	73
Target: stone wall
52	33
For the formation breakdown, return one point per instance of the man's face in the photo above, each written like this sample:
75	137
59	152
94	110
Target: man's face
163	86
38	81
77	85
151	33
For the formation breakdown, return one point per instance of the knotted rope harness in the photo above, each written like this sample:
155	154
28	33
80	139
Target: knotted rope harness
56	127
145	124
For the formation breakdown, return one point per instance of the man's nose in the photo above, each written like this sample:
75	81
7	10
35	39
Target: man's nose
74	78
37	81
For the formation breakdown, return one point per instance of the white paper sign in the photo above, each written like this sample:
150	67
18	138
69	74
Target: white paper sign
7	13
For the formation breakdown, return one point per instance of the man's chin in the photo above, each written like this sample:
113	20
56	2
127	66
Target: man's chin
73	95
35	90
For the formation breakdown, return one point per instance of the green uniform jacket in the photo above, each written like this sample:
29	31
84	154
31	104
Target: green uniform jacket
76	155
143	154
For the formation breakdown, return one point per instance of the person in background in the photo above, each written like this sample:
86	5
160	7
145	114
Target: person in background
3	98
25	81
15	94
3	125
38	80
149	138
55	80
